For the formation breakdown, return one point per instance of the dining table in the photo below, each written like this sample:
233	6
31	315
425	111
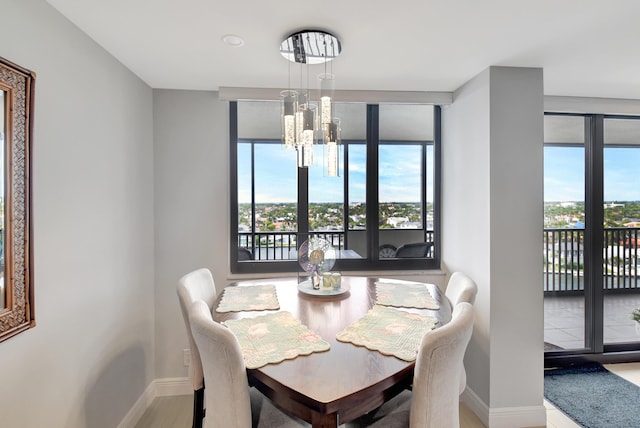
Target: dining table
347	381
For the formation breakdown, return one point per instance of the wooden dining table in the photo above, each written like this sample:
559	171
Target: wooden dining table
348	381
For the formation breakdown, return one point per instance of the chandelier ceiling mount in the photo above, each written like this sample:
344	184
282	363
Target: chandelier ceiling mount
301	118
310	47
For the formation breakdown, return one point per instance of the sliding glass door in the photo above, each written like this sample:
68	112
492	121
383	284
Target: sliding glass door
622	228
592	223
564	227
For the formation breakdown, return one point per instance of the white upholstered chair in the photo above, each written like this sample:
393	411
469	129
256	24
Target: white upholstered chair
435	398
461	288
223	365
194	286
235	405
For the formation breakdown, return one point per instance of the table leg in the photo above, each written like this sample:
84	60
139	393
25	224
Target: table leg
320	420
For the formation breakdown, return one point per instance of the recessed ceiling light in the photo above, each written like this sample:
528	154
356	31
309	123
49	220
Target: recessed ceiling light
233	40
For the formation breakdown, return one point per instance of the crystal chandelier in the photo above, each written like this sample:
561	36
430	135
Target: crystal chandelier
302	120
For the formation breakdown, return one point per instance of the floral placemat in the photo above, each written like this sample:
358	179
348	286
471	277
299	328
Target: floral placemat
273	338
249	298
405	295
389	331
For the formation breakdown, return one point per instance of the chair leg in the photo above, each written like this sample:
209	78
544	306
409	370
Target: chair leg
198	407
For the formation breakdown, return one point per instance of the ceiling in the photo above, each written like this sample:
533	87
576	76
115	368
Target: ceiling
586	47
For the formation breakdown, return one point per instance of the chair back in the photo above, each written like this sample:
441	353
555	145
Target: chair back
196	285
416	250
461	288
223	367
244	254
437	372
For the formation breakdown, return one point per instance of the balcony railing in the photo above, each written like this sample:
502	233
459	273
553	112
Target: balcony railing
278	245
563	251
282	245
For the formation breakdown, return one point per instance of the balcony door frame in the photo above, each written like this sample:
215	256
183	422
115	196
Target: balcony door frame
595	349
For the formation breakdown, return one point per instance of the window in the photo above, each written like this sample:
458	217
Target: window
591	235
381	211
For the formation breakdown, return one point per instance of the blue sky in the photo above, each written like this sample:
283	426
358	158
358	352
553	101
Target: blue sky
564	174
275	179
400	172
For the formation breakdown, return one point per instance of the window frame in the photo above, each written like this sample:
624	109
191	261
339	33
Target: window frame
595	347
372	262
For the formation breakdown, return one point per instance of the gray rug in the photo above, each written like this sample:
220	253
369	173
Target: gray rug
593	396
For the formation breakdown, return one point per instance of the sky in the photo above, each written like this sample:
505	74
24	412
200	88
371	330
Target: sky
400	174
275	179
564	174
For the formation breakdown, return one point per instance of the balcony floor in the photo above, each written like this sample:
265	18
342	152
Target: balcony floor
564	320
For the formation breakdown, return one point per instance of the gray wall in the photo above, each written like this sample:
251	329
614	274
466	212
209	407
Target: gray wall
492	203
90	357
191	204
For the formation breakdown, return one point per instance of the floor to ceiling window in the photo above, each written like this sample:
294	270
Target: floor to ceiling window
592	219
621	187
380	212
564	224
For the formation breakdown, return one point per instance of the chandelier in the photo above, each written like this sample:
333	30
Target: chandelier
303	121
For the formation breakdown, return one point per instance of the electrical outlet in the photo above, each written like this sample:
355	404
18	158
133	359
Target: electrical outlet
186	356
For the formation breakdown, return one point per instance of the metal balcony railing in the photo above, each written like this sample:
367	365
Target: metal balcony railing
563	251
278	245
282	245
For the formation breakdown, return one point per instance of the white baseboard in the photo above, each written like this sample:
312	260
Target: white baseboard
476	405
173	386
506	417
510	417
157	388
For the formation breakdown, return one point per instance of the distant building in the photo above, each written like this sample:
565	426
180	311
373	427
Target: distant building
410	225
395	221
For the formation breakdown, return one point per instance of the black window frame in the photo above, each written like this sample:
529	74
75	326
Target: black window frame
372	262
595	348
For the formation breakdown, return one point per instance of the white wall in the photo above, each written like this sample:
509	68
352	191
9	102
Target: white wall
492	205
192	207
90	357
465	205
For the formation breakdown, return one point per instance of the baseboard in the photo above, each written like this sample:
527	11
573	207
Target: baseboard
173	386
157	388
476	405
510	417
135	413
506	417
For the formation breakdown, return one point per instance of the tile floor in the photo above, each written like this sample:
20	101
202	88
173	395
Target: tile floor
175	412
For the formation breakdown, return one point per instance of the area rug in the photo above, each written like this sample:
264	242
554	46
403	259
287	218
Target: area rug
593	396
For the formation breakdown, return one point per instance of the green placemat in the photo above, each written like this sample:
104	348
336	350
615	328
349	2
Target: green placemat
405	295
389	331
249	298
273	338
